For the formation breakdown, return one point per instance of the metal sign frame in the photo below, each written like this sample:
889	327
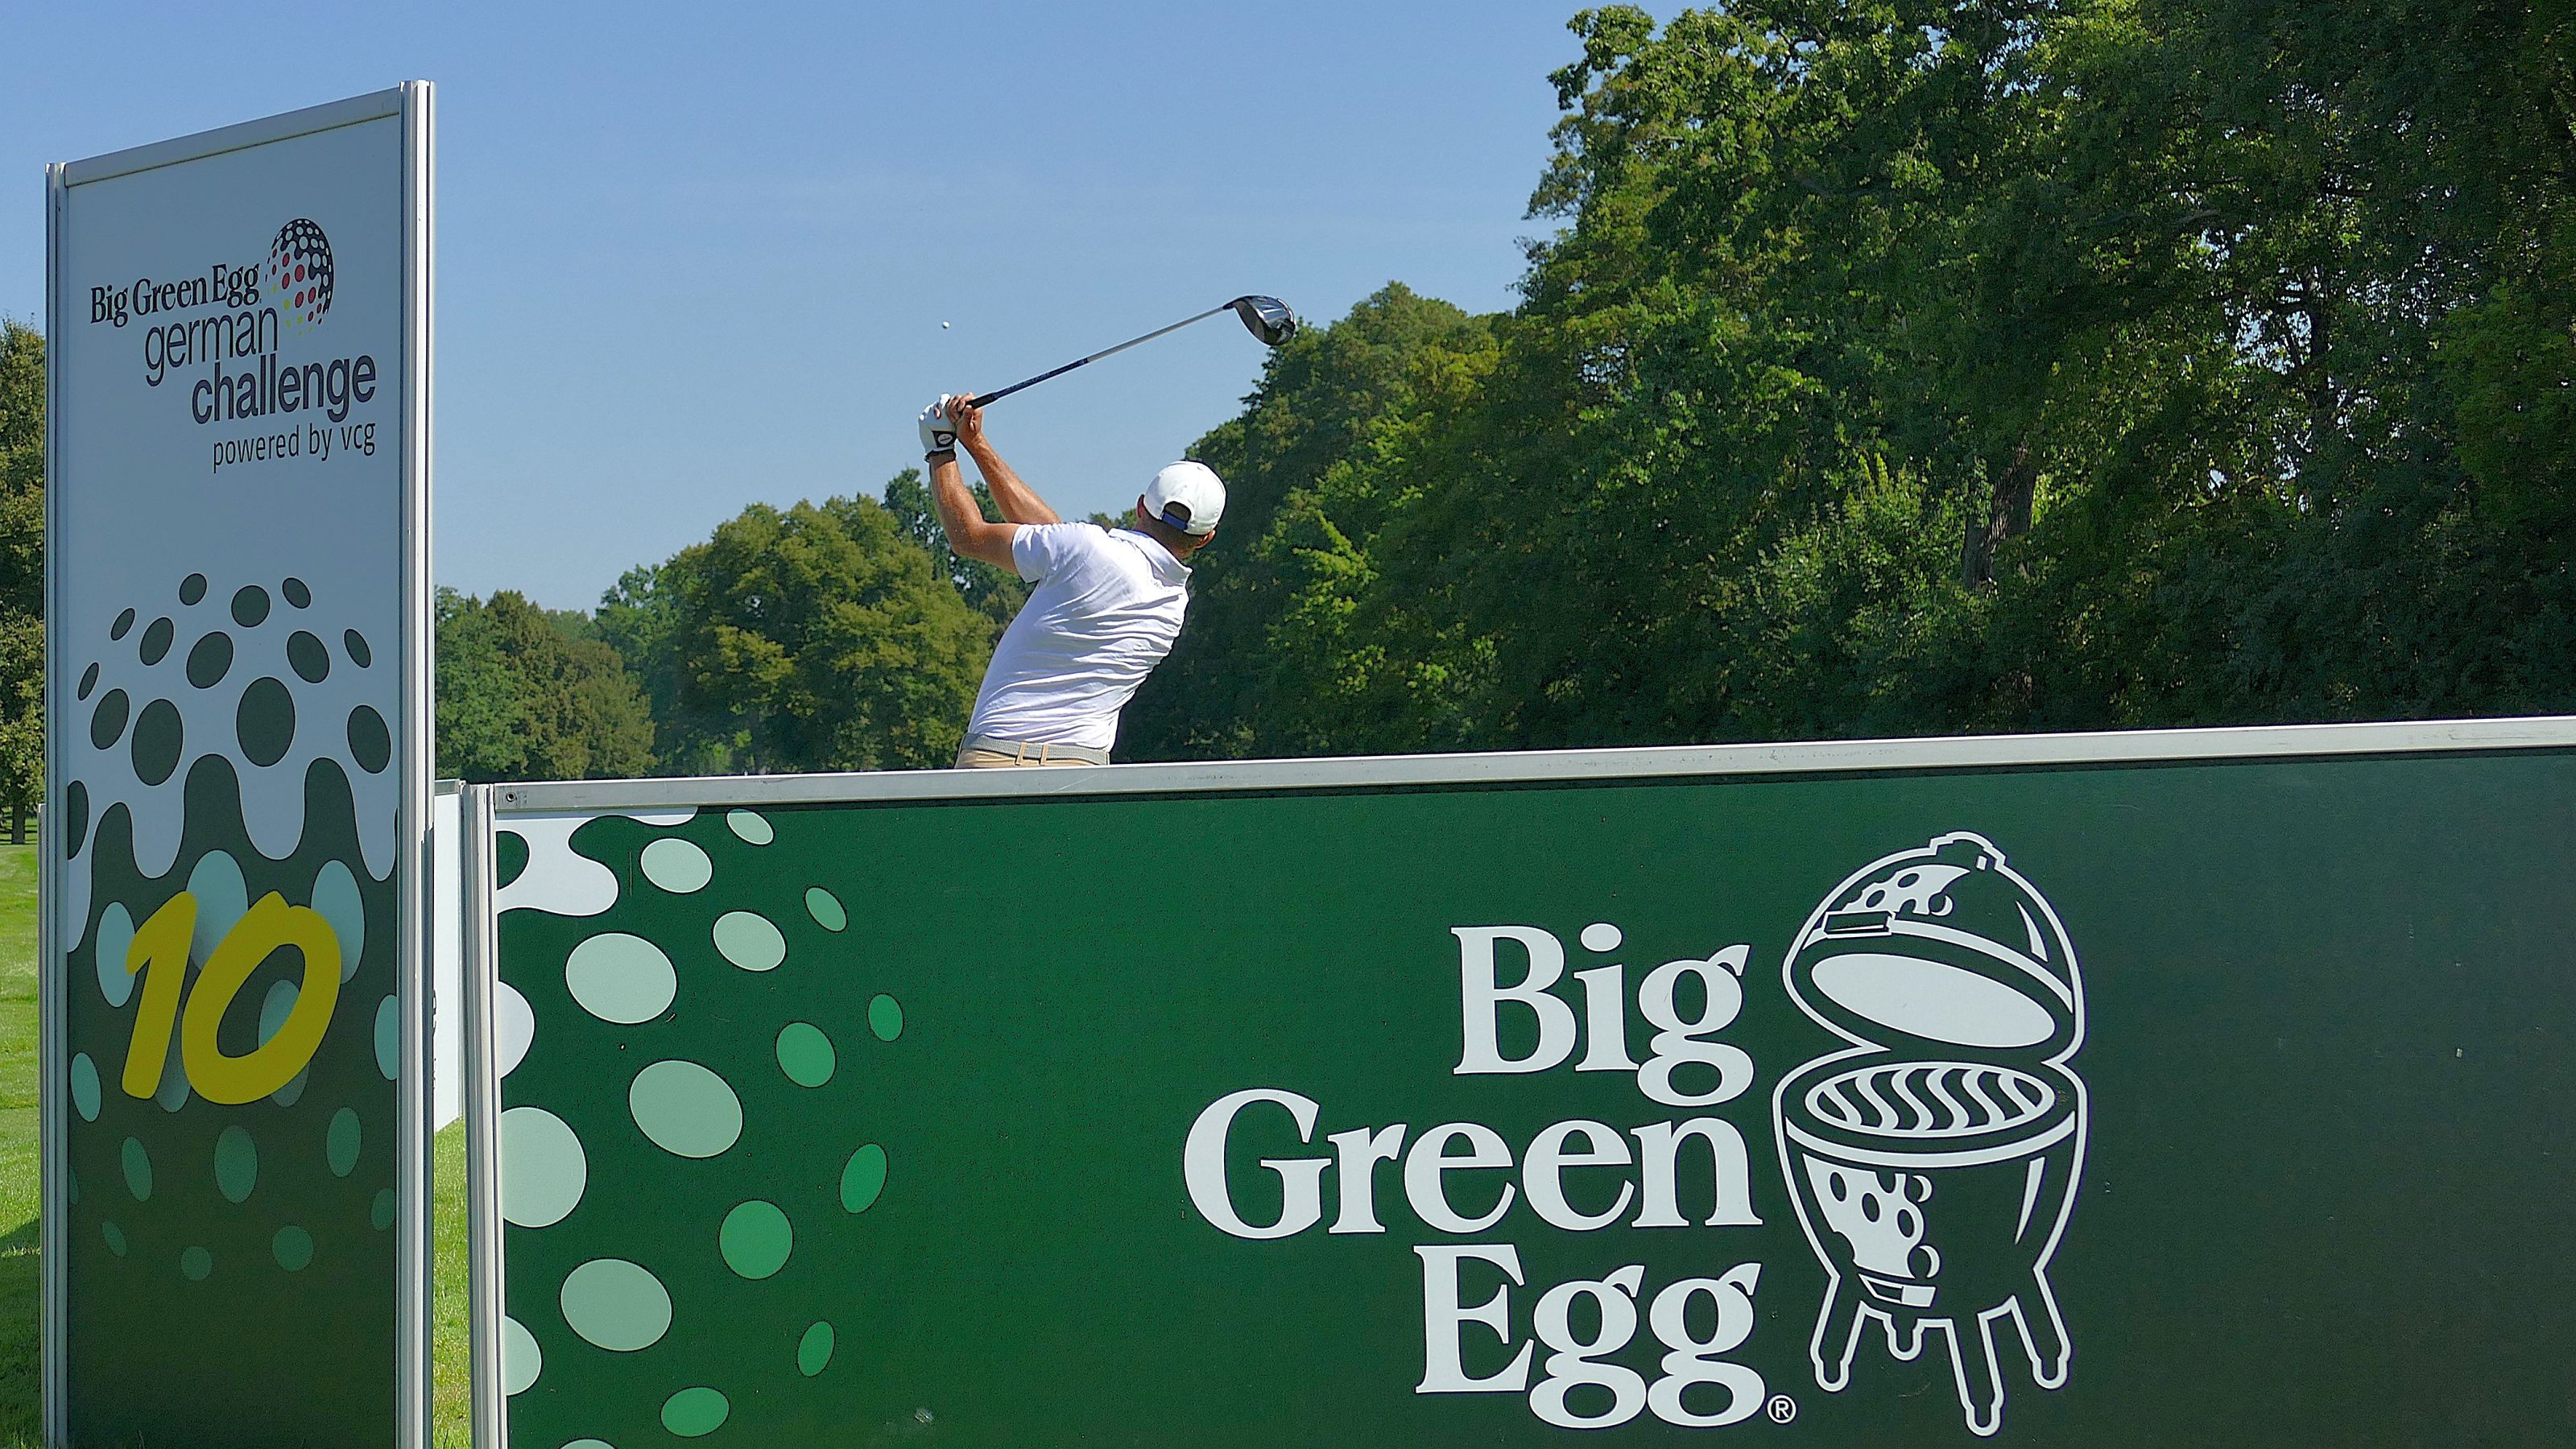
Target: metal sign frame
414	104
487	807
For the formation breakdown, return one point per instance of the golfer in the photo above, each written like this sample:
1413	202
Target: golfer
1106	609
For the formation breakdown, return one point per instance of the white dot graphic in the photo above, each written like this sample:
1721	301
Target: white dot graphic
677	866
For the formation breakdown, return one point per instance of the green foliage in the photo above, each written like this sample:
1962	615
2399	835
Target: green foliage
821	637
1934	367
524	695
22	566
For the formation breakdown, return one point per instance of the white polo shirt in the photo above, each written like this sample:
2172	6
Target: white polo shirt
1106	609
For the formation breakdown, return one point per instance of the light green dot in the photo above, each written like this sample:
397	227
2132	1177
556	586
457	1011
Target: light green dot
621	978
687	1110
864	1178
750	827
381	1211
589	1444
115	1237
521	1359
293	1248
389	1038
222	900
692	1412
196	1265
543	1168
814	1350
677	866
756	1239
341	1142
115	938
750	941
85	1087
805	1054
138	1170
236	1163
885	1017
336	899
617	1305
825	908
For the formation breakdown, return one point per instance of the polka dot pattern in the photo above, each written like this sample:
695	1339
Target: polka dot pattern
636	1038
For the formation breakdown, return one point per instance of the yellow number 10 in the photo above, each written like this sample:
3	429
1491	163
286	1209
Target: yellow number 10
160	951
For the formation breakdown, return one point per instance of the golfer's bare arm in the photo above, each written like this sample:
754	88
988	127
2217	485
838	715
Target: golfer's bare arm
1018	504
969	534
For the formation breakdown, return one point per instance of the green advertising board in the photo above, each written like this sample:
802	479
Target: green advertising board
2207	1088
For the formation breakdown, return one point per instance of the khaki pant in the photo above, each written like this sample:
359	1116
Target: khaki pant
971	758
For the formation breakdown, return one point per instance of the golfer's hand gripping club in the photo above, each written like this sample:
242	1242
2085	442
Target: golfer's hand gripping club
938	429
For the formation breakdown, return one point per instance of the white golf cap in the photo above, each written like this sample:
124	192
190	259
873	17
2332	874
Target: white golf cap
1188	496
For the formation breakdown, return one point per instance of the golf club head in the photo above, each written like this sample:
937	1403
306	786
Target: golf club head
1267	318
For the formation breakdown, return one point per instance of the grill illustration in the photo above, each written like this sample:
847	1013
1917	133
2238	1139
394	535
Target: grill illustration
1934	1163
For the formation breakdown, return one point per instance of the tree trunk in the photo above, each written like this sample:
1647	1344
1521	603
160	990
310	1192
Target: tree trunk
17	824
2008	505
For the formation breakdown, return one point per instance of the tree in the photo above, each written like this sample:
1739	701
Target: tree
22	573
820	637
523	695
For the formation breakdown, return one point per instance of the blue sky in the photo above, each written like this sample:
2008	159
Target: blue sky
696	256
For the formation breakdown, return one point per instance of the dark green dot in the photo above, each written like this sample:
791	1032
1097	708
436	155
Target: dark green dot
197	1264
756	1239
250	605
356	644
236	1163
296	593
156	639
192	588
814	1350
157	738
380	1213
369	743
138	1169
293	1248
76	818
123	622
510	853
864	1178
265	721
805	1054
107	722
211	660
885	1017
89	681
115	1237
312	662
692	1412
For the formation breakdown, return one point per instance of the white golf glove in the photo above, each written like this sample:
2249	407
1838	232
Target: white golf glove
938	434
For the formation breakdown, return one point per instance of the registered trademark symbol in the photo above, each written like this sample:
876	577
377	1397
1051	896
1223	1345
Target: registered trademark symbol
1783	1409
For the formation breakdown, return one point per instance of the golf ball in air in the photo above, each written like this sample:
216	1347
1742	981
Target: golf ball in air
943	326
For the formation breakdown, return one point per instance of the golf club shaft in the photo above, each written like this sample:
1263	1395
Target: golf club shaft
985	398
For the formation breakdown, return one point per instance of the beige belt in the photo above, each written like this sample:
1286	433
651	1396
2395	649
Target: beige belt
1037	754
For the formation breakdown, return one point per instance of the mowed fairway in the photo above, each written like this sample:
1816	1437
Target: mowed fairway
18	1195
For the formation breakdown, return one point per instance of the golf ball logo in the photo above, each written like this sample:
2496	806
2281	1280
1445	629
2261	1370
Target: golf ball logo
1934	1163
299	272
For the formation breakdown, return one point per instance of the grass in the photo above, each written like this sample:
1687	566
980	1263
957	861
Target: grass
19	1201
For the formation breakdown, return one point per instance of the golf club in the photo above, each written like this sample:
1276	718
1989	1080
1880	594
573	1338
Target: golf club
1267	318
